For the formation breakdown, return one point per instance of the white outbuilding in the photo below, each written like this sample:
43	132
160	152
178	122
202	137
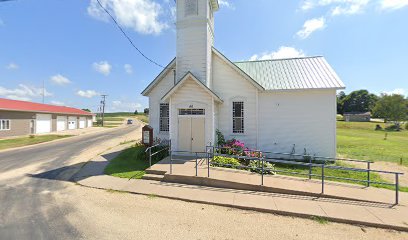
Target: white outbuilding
270	105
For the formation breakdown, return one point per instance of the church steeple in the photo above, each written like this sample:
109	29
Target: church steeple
195	38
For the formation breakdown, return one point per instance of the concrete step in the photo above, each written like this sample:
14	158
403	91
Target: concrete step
155	172
154	177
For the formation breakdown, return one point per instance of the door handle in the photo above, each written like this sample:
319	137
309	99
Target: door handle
192	139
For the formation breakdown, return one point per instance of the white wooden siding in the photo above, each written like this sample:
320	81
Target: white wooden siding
155	97
231	86
194	42
305	118
191	95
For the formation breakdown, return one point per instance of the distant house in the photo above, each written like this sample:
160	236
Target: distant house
270	105
23	118
357	117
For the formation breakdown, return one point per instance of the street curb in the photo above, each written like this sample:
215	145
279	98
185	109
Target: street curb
262	210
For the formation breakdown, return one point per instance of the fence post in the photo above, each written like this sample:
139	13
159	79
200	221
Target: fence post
310	167
150	156
171	162
262	173
208	162
396	188
196	164
322	178
368	174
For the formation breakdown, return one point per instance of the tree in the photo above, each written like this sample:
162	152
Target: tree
392	108
340	102
136	112
146	111
86	110
359	101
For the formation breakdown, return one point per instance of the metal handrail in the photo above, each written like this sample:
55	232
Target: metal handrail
149	149
211	153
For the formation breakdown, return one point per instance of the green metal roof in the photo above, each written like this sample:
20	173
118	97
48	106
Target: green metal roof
292	73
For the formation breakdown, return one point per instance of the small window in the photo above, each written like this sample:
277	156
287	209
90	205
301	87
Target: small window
190	8
4	124
164	117
238	117
191	111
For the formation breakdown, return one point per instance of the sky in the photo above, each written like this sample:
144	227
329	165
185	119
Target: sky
75	51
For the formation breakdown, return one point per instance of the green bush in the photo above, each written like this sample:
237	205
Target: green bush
269	168
406	126
219	161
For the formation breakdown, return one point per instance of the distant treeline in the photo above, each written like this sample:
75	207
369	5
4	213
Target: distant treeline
392	107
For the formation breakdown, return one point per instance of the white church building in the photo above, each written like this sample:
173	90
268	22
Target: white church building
270	105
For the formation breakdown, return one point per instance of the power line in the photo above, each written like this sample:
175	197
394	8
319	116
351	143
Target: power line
103	108
127	37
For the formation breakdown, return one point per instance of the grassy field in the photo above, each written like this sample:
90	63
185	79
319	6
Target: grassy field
131	163
25	141
116	119
361	141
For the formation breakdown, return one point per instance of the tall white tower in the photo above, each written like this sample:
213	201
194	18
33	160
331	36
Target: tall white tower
195	38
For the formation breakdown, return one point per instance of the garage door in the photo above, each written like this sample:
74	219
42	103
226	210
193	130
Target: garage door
72	123
61	123
82	122
89	123
43	123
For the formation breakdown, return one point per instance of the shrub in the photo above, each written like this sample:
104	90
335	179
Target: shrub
256	166
219	161
393	127
406	126
220	138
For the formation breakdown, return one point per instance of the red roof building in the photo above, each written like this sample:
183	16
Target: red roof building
23	118
24	106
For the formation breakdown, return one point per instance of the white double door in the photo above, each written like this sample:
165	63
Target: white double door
191	134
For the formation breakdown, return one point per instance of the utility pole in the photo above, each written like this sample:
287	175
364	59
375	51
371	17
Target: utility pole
103	107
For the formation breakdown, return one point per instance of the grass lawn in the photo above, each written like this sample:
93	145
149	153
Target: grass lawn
114	119
131	163
143	118
361	141
25	141
337	173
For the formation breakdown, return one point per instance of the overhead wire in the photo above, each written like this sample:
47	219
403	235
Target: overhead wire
128	38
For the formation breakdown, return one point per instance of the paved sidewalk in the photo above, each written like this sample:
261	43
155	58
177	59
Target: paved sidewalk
344	211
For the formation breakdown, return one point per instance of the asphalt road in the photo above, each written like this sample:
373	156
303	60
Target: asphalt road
28	174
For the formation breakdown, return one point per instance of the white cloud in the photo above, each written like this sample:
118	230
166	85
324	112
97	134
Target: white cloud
143	16
225	3
393	4
399	91
58	103
124	106
102	67
60	80
87	93
337	7
311	26
12	66
350	8
128	68
282	52
23	92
